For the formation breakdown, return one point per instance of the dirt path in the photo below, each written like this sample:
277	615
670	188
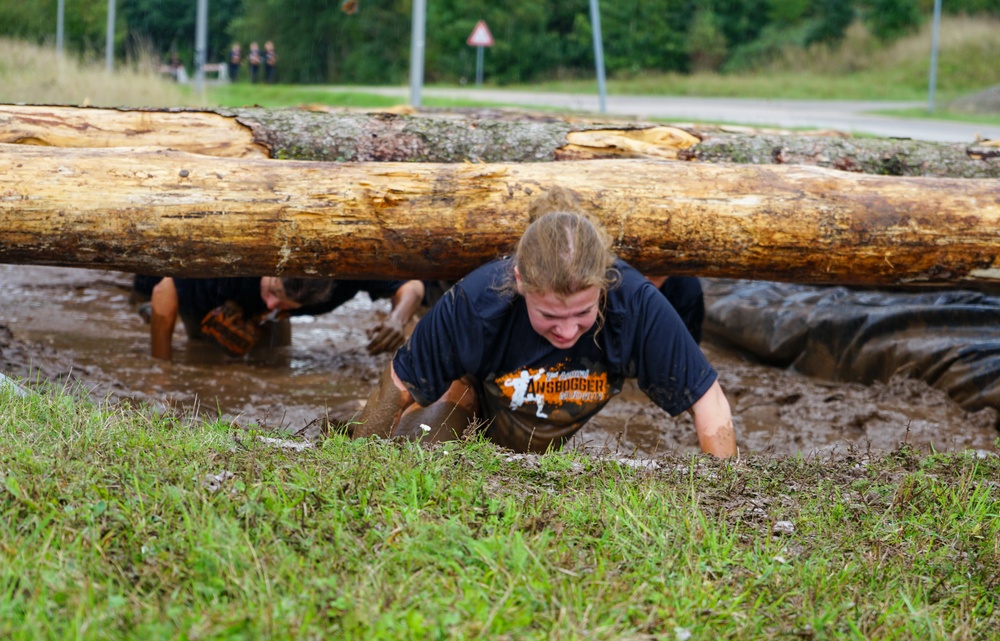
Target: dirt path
59	325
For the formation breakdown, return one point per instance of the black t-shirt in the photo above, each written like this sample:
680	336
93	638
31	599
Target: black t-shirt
535	394
345	290
198	296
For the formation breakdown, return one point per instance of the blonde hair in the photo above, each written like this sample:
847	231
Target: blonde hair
554	199
564	253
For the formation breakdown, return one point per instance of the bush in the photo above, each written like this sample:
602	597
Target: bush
706	42
890	19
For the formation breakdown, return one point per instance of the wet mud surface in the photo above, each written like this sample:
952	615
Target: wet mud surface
78	328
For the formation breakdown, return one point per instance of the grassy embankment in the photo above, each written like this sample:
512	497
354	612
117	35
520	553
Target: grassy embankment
118	524
36	75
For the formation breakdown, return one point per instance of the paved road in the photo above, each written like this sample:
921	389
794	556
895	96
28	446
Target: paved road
848	116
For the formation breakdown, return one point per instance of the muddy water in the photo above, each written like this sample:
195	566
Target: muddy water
85	320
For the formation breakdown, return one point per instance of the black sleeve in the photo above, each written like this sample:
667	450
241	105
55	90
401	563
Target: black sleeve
672	370
345	290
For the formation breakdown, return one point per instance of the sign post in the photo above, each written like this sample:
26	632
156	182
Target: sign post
479	38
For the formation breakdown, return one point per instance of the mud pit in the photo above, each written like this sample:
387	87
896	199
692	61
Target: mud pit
72	326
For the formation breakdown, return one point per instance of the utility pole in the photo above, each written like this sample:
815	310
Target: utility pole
595	23
934	56
200	46
60	13
109	53
417	51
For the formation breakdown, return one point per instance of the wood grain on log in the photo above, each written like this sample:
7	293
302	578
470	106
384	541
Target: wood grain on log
200	132
170	212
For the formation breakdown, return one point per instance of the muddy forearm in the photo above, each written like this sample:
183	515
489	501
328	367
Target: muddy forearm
406	301
386	402
713	422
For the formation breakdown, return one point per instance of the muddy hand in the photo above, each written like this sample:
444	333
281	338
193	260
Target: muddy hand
387	336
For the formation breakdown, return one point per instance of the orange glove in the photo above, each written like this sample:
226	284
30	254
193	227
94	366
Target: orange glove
231	329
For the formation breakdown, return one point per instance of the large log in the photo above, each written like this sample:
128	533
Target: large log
170	212
494	136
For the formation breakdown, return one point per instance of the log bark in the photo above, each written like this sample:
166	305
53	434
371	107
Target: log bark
486	136
170	212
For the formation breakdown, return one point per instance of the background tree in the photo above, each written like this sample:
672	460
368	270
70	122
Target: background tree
317	42
170	26
706	42
830	19
85	23
888	19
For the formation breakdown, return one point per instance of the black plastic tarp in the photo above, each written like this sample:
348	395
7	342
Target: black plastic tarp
948	338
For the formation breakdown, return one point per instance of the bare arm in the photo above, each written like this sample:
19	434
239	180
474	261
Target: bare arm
163	306
387	401
713	422
388	335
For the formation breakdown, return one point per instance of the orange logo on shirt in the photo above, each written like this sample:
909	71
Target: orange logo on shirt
552	388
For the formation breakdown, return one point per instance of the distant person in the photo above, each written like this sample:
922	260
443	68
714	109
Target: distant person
253	61
177	68
233	62
239	313
270	61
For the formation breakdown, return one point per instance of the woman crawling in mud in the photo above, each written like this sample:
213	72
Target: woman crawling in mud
531	346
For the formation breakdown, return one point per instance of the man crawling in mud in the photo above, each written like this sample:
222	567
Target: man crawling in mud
241	313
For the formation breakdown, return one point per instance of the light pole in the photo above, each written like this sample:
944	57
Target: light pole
417	50
200	45
60	12
109	53
595	22
934	54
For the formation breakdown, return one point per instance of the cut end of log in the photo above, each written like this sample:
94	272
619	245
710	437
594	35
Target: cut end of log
653	142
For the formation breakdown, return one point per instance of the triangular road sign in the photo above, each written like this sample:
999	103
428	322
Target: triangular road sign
480	36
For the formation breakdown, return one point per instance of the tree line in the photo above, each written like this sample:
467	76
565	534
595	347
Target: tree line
319	42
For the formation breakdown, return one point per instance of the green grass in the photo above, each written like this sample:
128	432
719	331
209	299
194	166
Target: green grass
36	75
276	96
939	114
117	523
